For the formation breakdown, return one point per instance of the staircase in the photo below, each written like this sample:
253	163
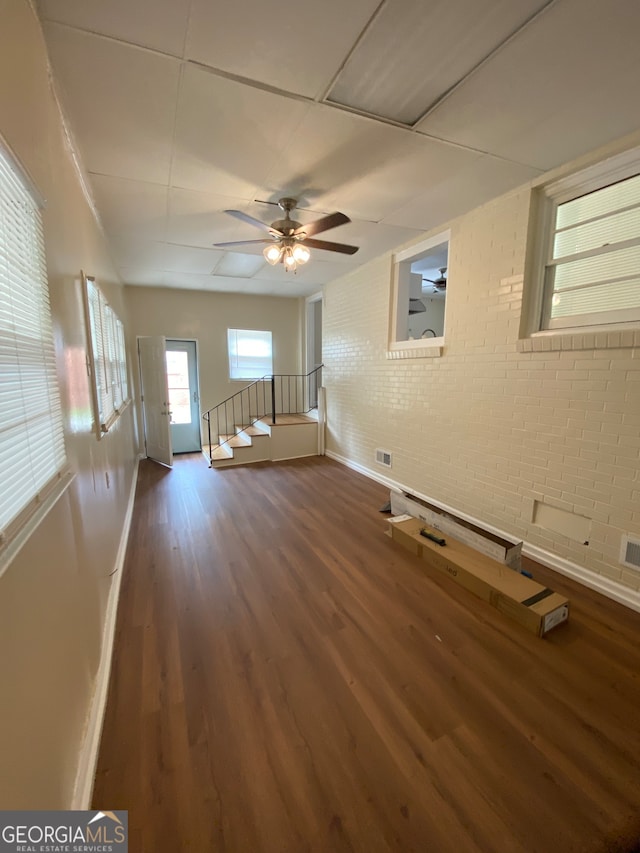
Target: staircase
275	417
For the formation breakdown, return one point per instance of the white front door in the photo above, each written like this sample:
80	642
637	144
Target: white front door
182	379
155	399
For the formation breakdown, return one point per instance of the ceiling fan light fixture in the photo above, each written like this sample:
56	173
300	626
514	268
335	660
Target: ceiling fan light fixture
301	254
288	259
273	254
287	236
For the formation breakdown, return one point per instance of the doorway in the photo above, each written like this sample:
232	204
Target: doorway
154	398
184	396
314	345
314	332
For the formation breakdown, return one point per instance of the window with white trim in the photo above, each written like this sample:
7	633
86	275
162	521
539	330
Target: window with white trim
250	353
418	301
107	356
33	460
590	248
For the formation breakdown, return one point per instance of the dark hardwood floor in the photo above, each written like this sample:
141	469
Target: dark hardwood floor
288	679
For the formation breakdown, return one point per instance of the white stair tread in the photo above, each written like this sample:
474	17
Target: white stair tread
238	440
221	452
251	430
288	420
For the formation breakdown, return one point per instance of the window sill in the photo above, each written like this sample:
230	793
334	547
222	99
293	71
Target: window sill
428	348
113	418
583	338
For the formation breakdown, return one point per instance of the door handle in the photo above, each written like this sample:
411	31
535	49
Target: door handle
195	396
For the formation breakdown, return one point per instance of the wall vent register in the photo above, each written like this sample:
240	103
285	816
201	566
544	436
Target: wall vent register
630	552
383	457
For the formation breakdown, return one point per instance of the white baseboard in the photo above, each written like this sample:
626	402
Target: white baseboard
606	586
612	589
299	456
85	775
372	475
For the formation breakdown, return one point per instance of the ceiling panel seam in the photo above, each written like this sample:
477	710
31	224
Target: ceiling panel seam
445	95
93	173
74	153
450	143
248	81
142	47
187	30
173	135
351	51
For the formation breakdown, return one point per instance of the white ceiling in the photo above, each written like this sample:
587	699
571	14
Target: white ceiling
400	113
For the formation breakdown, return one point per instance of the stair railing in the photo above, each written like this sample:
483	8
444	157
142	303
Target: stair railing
270	396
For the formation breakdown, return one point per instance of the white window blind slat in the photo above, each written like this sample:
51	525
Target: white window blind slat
599	270
602	232
32	451
604	297
603	201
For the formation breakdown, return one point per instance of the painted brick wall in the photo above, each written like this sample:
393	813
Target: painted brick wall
488	428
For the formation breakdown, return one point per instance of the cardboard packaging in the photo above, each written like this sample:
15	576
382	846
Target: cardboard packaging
504	550
535	607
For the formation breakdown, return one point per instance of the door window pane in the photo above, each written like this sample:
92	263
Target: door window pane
178	383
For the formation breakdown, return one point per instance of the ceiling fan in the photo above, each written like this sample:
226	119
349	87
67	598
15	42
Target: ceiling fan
439	283
289	241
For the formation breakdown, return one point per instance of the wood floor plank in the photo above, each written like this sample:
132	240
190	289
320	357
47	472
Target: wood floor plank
288	679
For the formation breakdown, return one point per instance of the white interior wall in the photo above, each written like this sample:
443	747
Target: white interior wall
54	594
486	429
206	316
432	318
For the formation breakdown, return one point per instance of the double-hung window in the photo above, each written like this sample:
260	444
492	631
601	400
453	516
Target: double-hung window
108	358
591	266
32	452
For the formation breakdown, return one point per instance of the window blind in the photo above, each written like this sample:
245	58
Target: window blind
122	361
107	345
32	451
111	362
593	273
250	353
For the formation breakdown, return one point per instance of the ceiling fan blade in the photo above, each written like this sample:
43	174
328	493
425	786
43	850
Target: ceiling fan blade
343	248
244	217
242	243
324	224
